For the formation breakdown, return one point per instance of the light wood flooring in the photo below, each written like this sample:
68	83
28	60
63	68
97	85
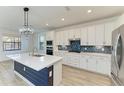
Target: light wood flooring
77	77
71	77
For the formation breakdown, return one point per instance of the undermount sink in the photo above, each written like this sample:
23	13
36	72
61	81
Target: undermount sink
37	55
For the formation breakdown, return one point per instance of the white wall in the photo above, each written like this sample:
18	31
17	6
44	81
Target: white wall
120	20
26	43
37	41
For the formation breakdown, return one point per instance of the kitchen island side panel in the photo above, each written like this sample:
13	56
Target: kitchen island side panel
38	78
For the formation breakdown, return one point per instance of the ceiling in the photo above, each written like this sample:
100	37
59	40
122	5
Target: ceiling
11	17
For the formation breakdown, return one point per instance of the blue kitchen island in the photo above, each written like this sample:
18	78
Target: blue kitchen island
45	70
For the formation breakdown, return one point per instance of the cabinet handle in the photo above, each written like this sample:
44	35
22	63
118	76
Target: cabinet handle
24	69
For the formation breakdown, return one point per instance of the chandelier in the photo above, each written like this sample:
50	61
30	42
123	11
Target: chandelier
26	29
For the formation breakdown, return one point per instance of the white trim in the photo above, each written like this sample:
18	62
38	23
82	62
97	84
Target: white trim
27	81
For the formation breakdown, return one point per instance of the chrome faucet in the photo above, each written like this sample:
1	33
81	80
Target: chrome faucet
34	50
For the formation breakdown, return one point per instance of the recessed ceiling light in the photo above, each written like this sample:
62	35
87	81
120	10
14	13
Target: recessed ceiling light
89	11
47	24
62	19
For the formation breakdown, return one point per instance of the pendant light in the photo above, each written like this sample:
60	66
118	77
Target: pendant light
26	29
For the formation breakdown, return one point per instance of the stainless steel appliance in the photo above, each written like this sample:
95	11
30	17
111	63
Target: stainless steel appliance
49	47
49	43
49	50
117	66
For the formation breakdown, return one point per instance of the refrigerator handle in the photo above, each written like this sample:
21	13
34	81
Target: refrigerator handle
115	51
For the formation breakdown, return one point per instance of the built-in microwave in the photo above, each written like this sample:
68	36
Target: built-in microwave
49	43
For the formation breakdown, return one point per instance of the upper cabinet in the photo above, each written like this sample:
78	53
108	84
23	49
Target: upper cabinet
98	34
99	31
76	33
91	35
50	35
61	37
57	38
84	36
109	27
65	37
70	34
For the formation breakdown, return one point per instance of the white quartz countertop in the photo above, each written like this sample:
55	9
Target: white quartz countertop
36	63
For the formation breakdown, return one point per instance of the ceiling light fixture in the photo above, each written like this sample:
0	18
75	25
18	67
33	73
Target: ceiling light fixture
47	24
89	11
26	29
63	19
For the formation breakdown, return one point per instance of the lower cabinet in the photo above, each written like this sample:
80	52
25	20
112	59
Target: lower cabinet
83	62
92	64
43	77
99	64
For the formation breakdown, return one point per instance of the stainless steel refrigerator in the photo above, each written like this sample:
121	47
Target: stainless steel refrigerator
117	65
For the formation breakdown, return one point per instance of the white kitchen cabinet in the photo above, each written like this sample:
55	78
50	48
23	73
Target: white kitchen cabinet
57	38
109	27
70	34
65	37
99	37
84	36
91	35
103	65
83	62
50	35
91	64
76	33
61	38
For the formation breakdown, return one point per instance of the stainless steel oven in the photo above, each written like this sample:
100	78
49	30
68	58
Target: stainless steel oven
49	50
49	43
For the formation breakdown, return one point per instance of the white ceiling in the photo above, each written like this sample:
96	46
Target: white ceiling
12	17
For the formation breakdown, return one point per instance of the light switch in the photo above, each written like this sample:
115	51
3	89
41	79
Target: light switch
50	73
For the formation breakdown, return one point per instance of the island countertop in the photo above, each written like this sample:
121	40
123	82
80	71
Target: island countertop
36	63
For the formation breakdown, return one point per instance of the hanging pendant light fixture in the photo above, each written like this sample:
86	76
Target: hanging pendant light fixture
26	29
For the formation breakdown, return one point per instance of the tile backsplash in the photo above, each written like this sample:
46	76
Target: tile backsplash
95	49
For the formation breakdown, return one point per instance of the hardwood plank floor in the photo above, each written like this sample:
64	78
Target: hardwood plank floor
7	76
77	77
71	77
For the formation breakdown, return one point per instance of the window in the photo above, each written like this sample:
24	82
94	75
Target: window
41	43
11	43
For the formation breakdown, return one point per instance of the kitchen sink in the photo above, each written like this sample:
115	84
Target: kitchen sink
37	55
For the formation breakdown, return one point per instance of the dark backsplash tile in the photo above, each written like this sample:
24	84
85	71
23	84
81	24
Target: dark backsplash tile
94	49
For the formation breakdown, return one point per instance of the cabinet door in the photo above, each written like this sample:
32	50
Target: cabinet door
70	34
91	35
61	38
84	36
92	64
57	38
99	34
65	37
109	27
83	62
65	58
76	33
50	35
103	66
